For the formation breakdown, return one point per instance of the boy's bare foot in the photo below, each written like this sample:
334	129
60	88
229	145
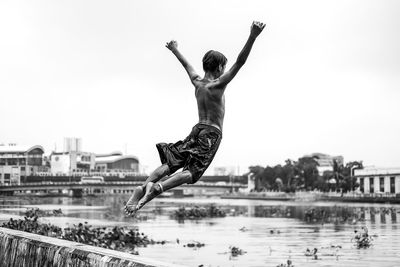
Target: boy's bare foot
130	207
152	190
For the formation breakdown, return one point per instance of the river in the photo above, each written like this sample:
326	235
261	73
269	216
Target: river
269	232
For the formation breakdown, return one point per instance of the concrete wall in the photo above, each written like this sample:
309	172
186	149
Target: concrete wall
25	249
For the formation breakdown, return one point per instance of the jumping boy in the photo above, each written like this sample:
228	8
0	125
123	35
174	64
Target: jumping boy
195	153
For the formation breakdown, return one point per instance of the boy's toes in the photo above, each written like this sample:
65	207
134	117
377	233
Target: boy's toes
128	211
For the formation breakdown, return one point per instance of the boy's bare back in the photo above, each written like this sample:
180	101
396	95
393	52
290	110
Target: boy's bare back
210	103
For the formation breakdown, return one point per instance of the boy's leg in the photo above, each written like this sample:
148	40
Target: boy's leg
157	174
138	193
155	189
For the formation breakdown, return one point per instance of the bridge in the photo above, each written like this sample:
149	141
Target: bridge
79	188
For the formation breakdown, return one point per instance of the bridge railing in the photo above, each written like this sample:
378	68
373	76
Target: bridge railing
202	184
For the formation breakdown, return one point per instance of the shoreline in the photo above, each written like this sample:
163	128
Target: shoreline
309	196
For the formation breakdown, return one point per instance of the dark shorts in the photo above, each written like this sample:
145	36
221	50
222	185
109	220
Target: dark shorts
195	153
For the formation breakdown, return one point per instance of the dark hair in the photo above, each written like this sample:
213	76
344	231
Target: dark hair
212	59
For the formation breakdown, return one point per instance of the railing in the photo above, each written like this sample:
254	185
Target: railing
324	195
111	183
79	174
361	195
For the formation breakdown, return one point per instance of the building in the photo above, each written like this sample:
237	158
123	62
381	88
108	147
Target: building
72	144
378	180
224	170
19	161
71	162
325	161
116	162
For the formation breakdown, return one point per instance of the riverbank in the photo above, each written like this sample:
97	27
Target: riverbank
316	196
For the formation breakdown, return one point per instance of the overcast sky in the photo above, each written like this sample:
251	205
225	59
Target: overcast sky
324	76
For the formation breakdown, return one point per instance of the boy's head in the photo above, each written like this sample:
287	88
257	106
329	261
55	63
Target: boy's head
214	61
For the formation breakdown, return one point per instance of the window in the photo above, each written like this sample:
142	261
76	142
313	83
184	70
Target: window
362	185
7	178
382	184
392	185
371	185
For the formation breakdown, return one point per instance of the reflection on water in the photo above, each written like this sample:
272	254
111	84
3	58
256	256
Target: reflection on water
269	231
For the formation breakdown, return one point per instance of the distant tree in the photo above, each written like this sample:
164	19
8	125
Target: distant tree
278	185
304	174
288	171
349	182
327	177
257	171
308	171
269	176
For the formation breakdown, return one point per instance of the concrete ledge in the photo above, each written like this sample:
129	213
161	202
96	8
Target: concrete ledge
19	248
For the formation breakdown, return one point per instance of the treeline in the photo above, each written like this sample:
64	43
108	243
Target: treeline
303	174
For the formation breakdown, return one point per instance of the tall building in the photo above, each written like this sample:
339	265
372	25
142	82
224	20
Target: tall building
72	144
72	160
19	161
325	161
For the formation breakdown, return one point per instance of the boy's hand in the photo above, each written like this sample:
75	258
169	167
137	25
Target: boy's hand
172	45
256	28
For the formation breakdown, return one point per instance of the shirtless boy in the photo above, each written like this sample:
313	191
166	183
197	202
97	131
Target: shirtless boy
195	153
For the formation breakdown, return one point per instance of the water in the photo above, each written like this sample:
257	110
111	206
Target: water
270	232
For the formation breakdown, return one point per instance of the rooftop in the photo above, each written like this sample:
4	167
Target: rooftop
372	170
111	159
14	148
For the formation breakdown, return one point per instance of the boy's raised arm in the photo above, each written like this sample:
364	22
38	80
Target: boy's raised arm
256	29
173	46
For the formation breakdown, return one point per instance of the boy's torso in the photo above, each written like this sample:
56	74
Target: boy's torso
210	103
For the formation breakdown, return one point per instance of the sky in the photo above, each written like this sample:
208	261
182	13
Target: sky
324	76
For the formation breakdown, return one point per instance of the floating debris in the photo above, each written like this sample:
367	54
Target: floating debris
312	253
197	212
362	239
194	244
272	231
42	213
287	264
235	251
118	238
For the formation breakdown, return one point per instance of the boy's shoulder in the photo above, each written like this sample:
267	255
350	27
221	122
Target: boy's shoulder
208	84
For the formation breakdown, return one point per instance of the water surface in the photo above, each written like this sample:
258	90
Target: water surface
270	232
